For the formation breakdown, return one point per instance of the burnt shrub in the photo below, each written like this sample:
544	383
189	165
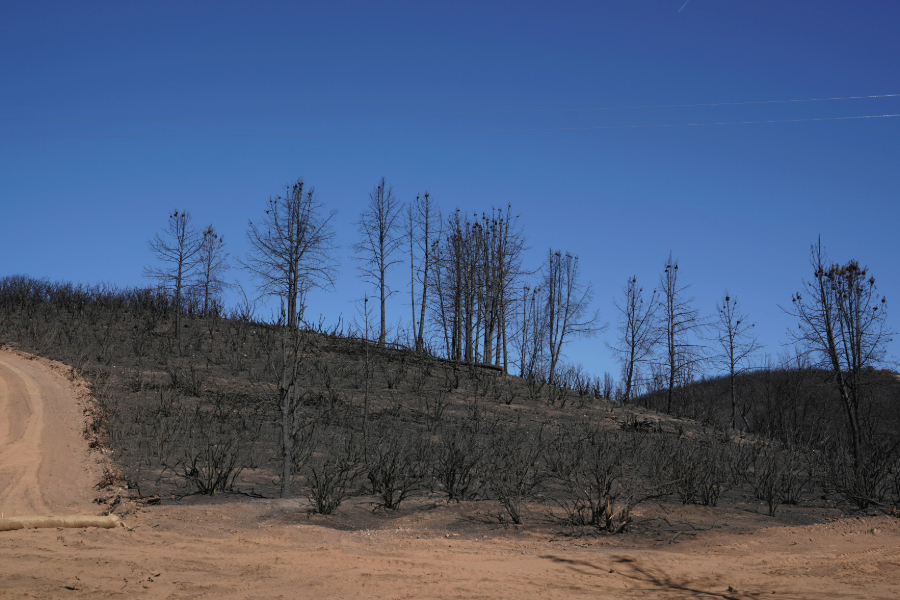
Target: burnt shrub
795	475
588	464
394	370
779	474
700	470
332	471
601	476
457	459
512	472
219	438
868	479
397	463
431	408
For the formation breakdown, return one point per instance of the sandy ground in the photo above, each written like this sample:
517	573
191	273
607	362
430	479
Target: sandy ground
272	549
45	467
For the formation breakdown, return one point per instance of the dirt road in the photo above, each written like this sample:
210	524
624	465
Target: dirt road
44	463
272	549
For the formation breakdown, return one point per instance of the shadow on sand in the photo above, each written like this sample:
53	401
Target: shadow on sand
654	579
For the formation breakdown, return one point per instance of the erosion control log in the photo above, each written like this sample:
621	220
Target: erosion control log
12	523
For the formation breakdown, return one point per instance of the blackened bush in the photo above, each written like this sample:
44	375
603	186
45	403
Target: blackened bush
741	456
867	480
795	474
333	470
700	470
600	472
506	391
393	370
685	460
457	461
219	445
451	377
764	478
779	475
418	378
511	469
431	409
599	465
164	426
397	463
713	476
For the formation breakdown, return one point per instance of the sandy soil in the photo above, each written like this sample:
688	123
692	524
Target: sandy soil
242	548
45	467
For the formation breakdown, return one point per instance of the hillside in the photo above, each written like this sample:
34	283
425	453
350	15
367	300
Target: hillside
382	431
790	401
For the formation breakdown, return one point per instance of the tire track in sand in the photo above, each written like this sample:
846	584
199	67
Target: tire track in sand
21	434
44	463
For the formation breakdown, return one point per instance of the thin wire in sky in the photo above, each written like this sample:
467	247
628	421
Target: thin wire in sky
450	113
444	131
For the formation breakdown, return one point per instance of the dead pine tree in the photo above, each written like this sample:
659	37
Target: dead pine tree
291	249
422	229
476	277
177	249
366	316
680	328
285	365
736	346
380	238
212	263
454	286
531	331
637	333
499	244
568	312
842	327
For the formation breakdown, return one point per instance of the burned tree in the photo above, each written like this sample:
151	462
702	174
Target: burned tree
212	262
454	277
422	227
842	325
568	305
378	227
637	333
681	323
178	250
477	271
286	368
531	332
733	334
292	248
291	254
499	246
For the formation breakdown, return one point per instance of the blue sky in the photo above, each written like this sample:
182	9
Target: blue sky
113	114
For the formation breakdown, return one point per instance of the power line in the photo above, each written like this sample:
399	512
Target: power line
442	131
450	113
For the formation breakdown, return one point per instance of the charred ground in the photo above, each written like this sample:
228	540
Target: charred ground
386	433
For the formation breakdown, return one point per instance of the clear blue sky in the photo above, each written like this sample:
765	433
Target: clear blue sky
112	114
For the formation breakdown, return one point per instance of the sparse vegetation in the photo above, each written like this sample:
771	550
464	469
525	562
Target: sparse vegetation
194	400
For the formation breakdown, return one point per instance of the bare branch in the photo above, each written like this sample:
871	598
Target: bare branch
379	230
637	332
292	249
178	250
842	326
